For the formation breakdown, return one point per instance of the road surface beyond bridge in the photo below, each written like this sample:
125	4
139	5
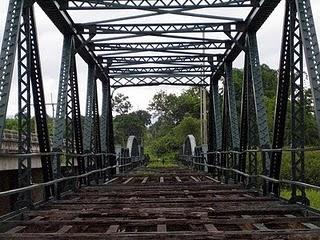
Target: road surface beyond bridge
173	203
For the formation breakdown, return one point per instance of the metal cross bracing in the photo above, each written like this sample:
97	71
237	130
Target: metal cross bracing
101	28
150	4
158	42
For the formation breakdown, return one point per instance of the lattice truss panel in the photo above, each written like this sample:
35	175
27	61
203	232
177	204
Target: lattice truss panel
150	42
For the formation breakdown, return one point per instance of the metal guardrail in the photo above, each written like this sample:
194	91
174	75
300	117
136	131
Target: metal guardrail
75	177
192	161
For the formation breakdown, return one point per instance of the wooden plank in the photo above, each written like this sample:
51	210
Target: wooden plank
161	228
195	179
261	227
144	180
212	179
128	180
178	179
64	229
37	219
15	229
311	226
246	226
211	228
111	180
112	229
161	179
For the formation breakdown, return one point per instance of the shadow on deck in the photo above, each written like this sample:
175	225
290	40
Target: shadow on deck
164	204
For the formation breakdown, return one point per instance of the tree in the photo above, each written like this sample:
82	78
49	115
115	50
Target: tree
134	123
121	104
172	108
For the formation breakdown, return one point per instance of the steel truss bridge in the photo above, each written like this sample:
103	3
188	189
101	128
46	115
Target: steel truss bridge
145	47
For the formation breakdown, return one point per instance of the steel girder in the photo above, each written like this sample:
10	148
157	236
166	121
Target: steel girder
311	49
297	107
113	61
60	119
149	4
160	28
232	108
68	119
7	56
74	126
161	70
257	85
248	129
290	78
90	119
158	46
106	122
217	114
230	128
161	79
258	15
64	23
24	109
29	72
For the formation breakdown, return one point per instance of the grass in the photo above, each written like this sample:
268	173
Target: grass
165	161
312	195
161	163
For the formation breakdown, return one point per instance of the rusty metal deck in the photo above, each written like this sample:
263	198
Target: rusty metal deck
164	204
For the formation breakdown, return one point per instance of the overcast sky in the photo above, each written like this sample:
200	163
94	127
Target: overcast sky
50	41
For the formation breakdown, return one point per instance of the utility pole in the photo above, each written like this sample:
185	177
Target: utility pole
203	107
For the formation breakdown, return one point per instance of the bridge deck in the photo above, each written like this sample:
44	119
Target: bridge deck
164	204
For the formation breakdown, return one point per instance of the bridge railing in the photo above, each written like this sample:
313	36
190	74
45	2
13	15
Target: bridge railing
225	167
95	174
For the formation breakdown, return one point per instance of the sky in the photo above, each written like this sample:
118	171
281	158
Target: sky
50	43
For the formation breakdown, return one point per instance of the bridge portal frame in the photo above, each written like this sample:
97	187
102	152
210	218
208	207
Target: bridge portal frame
299	36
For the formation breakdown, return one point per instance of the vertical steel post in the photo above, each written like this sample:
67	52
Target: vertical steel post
60	120
7	56
24	110
311	49
260	110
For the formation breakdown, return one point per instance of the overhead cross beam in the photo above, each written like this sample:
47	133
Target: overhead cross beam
160	28
161	59
155	46
149	4
166	70
120	81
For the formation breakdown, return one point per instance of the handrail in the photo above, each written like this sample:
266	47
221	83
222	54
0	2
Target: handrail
58	180
261	176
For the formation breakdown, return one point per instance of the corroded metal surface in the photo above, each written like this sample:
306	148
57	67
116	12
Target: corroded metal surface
164	204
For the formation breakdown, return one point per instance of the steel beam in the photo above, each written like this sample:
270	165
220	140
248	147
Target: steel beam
159	59
311	49
154	46
62	20
160	28
257	85
60	119
154	80
24	109
149	4
232	108
7	56
160	70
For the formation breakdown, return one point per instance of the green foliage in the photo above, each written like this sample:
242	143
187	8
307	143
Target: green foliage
12	123
171	108
170	142
312	166
166	161
312	195
134	123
